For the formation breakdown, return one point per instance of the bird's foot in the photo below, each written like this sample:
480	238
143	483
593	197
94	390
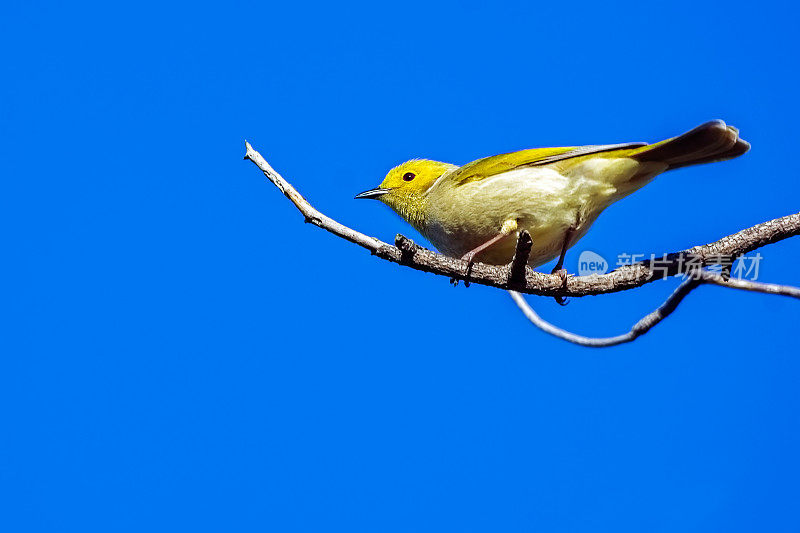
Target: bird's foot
469	257
564	275
561	273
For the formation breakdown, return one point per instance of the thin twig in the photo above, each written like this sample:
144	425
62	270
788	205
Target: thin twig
640	328
312	215
753	286
646	323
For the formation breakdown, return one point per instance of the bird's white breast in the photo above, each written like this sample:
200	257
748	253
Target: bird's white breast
542	200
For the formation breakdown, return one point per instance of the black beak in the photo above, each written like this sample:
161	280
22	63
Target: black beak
372	193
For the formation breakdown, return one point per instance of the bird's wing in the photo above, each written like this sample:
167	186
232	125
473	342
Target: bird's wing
497	164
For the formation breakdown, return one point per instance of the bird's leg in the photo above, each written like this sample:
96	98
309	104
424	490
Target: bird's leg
509	227
558	269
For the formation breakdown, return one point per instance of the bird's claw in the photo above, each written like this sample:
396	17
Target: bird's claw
469	257
561	273
564	275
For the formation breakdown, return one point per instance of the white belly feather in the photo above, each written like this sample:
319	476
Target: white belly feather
541	199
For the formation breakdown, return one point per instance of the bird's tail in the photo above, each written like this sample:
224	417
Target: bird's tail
709	142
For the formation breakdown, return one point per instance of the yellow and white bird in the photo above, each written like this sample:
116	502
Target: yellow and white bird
555	194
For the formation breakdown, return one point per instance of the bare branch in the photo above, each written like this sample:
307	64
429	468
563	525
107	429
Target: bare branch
624	278
640	328
518	277
312	215
646	323
752	286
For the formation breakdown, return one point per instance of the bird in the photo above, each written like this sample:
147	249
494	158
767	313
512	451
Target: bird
477	211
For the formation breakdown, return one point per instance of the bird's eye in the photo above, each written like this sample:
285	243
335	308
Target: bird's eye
408	176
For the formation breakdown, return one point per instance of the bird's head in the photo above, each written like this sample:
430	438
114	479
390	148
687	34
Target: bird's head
405	186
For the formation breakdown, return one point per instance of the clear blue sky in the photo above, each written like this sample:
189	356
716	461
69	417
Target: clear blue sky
181	353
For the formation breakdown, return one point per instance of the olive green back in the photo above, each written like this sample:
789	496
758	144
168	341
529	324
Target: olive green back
497	164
